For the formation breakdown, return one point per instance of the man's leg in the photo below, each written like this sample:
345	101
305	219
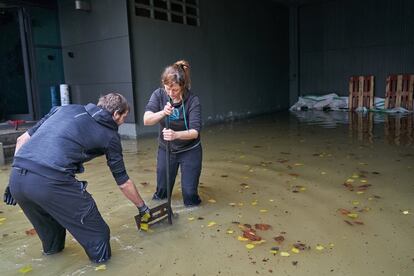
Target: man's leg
50	232
190	163
161	192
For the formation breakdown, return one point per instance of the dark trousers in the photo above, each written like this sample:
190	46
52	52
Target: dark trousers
190	165
54	207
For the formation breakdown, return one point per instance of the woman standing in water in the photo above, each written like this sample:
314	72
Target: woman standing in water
174	101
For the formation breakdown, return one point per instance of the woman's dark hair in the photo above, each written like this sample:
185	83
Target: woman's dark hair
114	102
178	73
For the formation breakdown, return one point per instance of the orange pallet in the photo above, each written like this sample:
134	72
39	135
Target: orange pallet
361	92
399	91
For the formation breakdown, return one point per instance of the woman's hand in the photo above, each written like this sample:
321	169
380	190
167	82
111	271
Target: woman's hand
169	134
168	109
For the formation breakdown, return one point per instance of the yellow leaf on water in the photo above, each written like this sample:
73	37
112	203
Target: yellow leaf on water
249	246
271	200
240	238
284	254
295	250
273	252
363	181
406	212
240	204
232	204
298	164
242	156
360	192
355	176
20	211
302	189
349	180
254	202
100	267
319	247
212	200
2	219
25	269
144	226
191	218
263	211
230	231
258	242
355	202
352	215
331	245
211	223
323	172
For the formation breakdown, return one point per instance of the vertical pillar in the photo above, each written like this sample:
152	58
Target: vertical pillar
294	90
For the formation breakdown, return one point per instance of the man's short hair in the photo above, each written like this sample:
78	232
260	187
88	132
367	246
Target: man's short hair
114	102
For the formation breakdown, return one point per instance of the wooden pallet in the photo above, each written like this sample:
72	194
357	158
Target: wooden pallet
361	92
399	91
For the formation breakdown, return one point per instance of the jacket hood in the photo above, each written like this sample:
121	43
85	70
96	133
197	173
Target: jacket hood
102	116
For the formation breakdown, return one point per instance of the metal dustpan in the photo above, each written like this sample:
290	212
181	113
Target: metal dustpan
164	210
157	213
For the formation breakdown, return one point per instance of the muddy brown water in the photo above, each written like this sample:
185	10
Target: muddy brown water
285	170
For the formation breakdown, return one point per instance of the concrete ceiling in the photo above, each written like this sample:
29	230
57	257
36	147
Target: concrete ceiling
299	2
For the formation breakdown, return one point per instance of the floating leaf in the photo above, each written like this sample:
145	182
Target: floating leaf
355	202
100	267
360	192
274	252
355	176
263	211
406	212
319	247
2	219
25	269
352	215
349	180
244	185
262	226
254	203
249	246
364	181
298	164
348	222
212	200
251	235
144	183
230	231
344	211
240	238
191	218
284	254
295	250
323	172
358	222
279	239
232	204
211	223
258	242
300	246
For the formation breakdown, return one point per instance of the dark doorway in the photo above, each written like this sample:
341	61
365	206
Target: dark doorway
15	88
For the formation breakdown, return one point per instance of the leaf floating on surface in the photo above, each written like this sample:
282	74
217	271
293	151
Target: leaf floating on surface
348	222
25	269
100	267
262	226
251	235
279	239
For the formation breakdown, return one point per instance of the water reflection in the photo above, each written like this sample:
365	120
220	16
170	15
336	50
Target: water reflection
396	129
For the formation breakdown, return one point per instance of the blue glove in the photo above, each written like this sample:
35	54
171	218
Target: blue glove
8	198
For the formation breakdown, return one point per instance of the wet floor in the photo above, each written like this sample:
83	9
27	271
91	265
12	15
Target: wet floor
335	188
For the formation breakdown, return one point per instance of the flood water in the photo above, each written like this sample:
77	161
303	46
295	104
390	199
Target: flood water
339	185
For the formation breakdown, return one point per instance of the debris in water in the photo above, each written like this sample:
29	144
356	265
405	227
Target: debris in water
262	226
406	212
25	269
100	267
348	222
319	247
295	262
212	200
31	232
144	183
211	223
279	239
284	254
249	246
251	235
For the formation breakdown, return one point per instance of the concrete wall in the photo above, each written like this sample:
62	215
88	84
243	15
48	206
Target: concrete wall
238	56
339	39
101	60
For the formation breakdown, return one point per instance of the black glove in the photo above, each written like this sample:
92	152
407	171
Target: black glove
8	198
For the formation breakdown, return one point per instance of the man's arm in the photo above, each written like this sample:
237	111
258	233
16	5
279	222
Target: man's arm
130	191
21	140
